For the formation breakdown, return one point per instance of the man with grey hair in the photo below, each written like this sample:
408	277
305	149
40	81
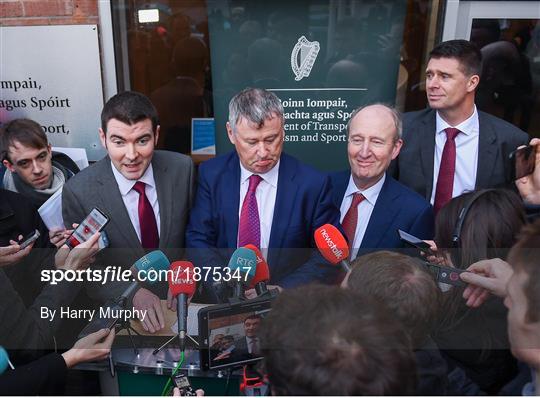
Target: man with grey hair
373	205
259	195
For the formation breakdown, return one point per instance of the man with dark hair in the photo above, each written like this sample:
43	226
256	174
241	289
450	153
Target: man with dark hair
30	166
407	289
146	193
519	284
451	146
320	340
373	205
259	195
250	344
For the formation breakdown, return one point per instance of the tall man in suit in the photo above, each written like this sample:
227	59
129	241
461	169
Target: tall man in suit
259	195
373	205
452	147
146	193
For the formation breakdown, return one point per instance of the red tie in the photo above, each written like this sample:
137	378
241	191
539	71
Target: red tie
447	169
351	218
147	219
249	226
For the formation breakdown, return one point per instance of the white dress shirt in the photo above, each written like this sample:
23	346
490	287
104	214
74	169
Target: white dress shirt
266	200
365	208
131	197
466	154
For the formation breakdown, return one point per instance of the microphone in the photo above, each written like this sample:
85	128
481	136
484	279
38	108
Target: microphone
242	264
154	261
4	361
182	286
333	246
262	272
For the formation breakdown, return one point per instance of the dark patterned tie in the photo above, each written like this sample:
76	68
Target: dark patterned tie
254	346
147	219
447	169
249	226
351	218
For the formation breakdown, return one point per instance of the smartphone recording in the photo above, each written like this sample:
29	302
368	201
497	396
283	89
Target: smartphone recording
523	161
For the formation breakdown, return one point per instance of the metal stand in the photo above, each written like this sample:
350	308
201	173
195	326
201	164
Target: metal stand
157	350
127	326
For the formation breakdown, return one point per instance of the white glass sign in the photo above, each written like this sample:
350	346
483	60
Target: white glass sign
52	74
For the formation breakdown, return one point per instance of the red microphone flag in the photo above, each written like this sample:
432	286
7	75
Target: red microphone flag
331	243
180	278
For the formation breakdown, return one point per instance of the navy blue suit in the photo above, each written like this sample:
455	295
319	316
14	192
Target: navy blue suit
303	203
397	207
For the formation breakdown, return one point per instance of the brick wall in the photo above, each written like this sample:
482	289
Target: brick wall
48	12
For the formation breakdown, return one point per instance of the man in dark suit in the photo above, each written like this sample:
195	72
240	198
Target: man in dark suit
452	147
249	345
373	205
259	195
147	195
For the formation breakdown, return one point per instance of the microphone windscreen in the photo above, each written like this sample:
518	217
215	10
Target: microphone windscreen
244	260
331	243
154	260
180	278
3	360
262	273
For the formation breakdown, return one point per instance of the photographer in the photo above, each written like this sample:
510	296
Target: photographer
519	285
472	227
321	340
411	294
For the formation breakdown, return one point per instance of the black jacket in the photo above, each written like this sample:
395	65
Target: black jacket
44	376
22	294
432	370
18	216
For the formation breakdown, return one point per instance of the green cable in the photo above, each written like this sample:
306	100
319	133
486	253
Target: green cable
172	375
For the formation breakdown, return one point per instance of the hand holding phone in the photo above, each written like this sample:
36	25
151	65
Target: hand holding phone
12	254
29	239
78	259
448	275
523	161
413	241
529	185
181	382
94	222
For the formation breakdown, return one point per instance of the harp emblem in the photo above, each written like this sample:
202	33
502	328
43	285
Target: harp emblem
303	57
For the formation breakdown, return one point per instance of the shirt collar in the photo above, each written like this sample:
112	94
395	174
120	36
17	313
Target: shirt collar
371	194
271	176
467	127
125	185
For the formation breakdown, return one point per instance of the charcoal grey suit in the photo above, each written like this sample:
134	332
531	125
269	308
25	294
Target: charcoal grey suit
96	186
414	165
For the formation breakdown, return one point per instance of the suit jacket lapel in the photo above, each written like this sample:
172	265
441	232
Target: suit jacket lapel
112	199
427	150
285	199
382	216
487	152
230	186
164	194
